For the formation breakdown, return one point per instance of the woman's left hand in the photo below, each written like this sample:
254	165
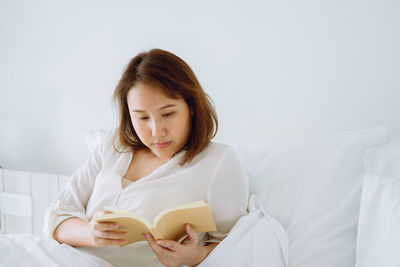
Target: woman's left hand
171	253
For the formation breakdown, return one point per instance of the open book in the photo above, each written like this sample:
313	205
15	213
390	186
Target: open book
169	224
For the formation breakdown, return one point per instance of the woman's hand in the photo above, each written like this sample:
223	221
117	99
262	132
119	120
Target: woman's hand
171	253
103	234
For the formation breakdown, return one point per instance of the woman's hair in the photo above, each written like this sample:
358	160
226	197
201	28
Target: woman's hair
174	76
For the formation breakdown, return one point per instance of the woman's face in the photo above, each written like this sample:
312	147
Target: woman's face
162	123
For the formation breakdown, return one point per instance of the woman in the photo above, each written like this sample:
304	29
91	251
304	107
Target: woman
158	157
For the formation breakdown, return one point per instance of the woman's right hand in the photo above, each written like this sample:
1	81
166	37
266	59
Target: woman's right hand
103	233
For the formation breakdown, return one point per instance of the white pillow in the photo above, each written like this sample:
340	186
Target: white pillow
255	240
378	241
313	187
383	160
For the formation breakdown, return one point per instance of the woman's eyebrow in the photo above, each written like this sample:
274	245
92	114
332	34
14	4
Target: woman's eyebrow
166	106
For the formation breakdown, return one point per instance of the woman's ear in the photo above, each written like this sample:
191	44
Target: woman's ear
191	111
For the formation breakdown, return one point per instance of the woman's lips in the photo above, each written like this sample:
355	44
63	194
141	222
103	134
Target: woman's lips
162	145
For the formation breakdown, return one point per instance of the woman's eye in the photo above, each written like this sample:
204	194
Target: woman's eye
168	114
164	115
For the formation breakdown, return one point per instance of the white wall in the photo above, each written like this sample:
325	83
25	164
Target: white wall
274	68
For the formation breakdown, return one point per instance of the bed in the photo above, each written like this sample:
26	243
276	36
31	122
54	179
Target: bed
329	201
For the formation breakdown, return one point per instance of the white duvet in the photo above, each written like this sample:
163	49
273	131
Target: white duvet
256	240
35	250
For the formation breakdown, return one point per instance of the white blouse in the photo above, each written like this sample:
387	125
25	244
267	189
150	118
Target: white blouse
214	175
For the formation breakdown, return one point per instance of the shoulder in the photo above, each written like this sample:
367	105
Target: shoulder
214	147
215	153
105	139
108	137
228	168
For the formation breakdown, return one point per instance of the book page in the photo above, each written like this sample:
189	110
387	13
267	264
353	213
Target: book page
171	225
185	206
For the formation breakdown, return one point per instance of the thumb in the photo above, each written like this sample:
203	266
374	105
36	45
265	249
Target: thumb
191	231
192	237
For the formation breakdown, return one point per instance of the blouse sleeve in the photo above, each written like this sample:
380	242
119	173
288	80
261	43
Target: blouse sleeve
71	201
228	193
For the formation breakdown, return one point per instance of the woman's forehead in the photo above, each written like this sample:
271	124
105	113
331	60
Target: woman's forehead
145	97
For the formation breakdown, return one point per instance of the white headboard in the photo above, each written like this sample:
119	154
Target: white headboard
24	198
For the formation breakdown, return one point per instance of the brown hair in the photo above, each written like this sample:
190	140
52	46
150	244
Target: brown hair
174	76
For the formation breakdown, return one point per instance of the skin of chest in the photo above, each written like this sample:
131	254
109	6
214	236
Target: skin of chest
141	165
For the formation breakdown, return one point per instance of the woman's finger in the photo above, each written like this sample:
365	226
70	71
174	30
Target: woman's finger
111	234
105	226
192	232
152	242
168	244
103	242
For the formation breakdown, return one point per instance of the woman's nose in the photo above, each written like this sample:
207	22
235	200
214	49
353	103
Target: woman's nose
158	129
